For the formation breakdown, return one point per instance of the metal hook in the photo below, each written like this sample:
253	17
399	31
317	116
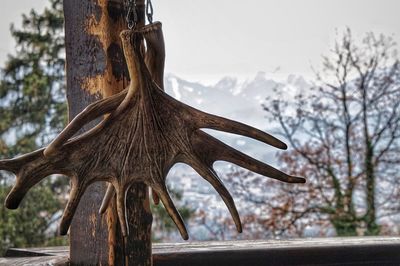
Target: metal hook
131	14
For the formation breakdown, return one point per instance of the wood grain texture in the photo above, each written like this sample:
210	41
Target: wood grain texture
85	58
363	251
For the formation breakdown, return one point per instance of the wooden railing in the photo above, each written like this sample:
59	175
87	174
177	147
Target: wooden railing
321	251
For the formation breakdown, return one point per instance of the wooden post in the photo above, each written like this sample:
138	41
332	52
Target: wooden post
95	69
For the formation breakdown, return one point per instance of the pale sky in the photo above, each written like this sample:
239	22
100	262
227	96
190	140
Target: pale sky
210	39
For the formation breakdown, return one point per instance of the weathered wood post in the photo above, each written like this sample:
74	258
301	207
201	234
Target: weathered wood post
95	69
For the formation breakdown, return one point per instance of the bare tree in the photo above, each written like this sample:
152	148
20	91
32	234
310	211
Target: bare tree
345	135
268	209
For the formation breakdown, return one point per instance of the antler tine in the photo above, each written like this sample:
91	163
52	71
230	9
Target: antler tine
9	165
14	165
75	195
121	211
155	52
217	150
227	125
156	198
245	161
90	113
129	39
107	199
155	62
29	169
211	176
172	211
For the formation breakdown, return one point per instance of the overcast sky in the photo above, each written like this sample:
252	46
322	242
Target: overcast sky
209	39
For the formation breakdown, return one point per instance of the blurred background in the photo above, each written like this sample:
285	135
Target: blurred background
323	76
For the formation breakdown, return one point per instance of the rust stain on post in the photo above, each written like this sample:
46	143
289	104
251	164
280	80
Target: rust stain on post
105	24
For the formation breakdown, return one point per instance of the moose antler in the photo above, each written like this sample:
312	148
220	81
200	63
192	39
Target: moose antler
145	134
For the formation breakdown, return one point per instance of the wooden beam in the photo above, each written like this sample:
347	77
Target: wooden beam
95	69
382	251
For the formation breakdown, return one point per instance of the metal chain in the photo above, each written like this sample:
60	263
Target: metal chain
131	14
149	11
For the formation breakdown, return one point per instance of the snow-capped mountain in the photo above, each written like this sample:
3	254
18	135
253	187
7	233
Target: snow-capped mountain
237	100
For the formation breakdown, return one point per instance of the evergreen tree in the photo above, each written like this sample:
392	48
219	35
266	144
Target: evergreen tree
32	110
